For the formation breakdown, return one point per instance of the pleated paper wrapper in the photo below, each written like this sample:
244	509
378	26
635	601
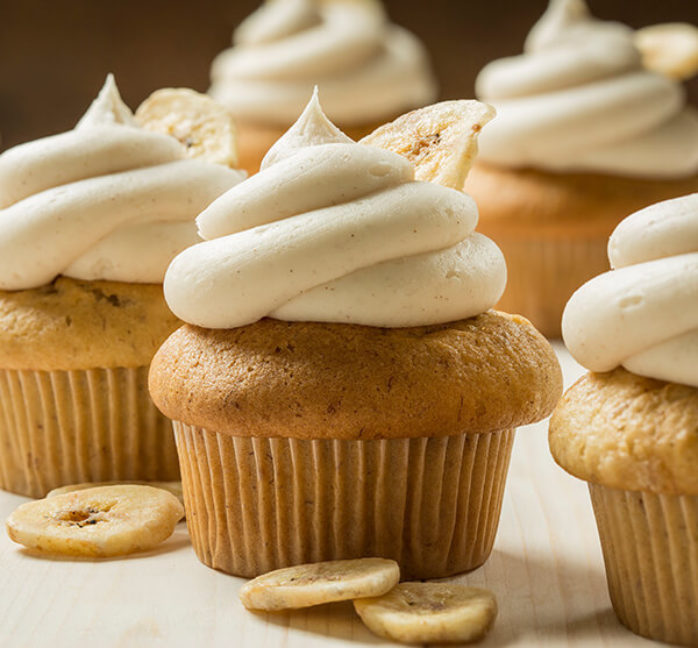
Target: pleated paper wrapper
650	547
67	427
258	504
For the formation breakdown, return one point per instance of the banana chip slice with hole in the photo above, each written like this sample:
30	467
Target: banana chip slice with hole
324	582
205	129
440	140
174	487
417	613
97	522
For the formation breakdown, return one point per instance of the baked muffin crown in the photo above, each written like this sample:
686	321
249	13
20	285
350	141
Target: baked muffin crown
323	380
625	431
71	324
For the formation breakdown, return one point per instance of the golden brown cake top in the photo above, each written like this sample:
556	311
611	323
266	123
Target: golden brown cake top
628	432
71	324
322	380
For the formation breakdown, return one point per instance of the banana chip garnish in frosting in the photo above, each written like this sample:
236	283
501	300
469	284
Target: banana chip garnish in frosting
335	231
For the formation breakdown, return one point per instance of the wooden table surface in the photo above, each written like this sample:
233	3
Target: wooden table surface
546	570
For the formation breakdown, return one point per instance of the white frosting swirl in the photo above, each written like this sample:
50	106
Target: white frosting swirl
366	68
331	230
643	315
106	200
579	99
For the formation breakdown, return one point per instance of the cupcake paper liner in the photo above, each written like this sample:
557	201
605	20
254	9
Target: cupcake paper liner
543	274
650	547
258	504
66	427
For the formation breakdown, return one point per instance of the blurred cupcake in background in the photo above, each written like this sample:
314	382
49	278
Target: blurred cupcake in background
89	221
368	70
584	135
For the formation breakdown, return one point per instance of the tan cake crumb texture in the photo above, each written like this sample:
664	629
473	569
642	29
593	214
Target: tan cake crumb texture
627	432
71	324
319	380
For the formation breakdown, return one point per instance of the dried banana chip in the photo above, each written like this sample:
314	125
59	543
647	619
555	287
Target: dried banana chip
174	487
205	128
97	522
429	613
670	49
374	5
440	140
324	582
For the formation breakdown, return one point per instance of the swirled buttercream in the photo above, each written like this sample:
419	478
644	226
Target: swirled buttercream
367	69
106	200
643	314
579	99
331	230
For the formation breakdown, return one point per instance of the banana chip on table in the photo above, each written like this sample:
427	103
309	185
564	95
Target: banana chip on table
417	613
204	128
97	522
174	487
324	582
440	140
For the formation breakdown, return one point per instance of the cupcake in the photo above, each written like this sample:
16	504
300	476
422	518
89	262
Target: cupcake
368	70
583	137
630	427
340	388
89	220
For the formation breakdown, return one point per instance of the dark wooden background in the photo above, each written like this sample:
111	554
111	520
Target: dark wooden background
54	54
